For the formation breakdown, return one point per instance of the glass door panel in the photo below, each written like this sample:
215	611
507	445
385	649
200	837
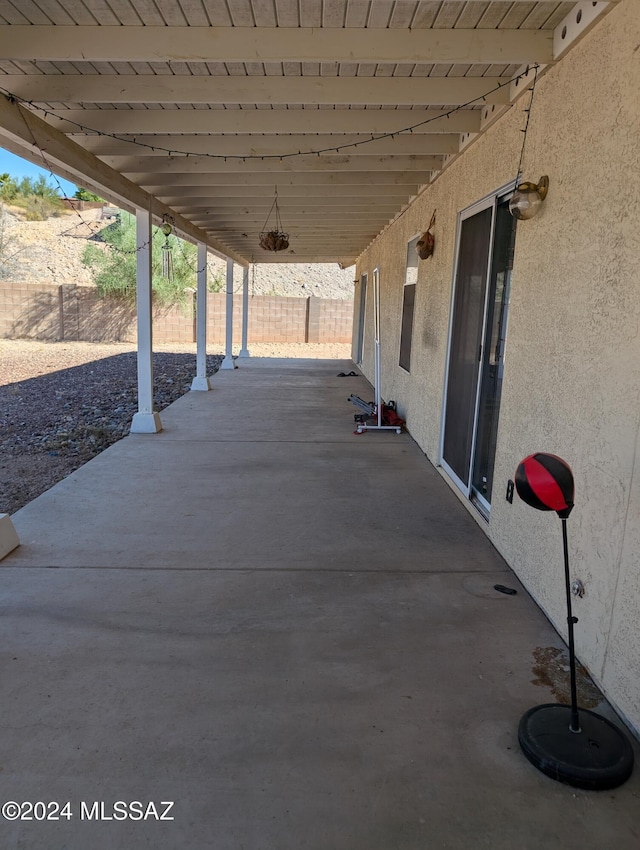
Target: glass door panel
492	365
465	344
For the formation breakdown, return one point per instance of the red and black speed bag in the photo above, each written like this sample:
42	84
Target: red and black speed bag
545	482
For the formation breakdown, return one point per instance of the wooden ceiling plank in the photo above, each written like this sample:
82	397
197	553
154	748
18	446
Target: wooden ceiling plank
234	195
276	44
139	89
125	12
346	179
271	145
366	121
200	165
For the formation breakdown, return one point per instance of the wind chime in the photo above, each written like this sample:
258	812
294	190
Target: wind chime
274	239
167	250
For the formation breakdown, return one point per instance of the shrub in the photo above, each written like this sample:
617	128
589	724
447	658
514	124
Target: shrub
36	197
83	194
114	264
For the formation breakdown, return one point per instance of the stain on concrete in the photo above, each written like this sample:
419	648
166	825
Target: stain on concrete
551	670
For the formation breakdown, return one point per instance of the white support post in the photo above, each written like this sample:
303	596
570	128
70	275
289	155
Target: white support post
201	380
146	420
244	351
8	536
228	362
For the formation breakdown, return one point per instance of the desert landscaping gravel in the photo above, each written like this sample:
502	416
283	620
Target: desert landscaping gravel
61	403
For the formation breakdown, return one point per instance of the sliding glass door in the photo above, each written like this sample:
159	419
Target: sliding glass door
476	347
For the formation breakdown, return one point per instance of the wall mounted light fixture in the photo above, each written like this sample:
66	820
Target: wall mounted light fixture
528	197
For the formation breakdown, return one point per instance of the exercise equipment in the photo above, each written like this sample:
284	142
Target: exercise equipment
577	747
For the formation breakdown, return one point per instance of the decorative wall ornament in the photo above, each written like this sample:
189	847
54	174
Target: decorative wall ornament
274	239
427	243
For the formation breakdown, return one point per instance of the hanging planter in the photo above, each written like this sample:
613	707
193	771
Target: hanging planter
275	239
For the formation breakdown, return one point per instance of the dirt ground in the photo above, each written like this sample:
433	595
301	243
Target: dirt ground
61	403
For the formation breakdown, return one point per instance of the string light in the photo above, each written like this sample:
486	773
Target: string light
526	124
482	99
12	98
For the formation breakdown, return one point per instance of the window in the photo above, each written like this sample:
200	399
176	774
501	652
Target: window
408	302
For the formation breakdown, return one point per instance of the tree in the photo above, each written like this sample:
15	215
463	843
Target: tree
83	194
114	264
8	187
38	198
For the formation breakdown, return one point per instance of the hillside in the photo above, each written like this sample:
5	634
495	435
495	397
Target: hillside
51	251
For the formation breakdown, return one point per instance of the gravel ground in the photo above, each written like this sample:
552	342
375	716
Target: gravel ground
62	403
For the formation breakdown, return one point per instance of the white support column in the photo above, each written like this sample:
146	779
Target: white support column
228	362
201	380
244	351
146	420
8	536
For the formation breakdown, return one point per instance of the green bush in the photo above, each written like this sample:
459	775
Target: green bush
114	264
83	194
8	187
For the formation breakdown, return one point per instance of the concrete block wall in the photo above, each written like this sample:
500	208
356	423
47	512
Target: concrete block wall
335	323
70	312
174	324
101	319
30	311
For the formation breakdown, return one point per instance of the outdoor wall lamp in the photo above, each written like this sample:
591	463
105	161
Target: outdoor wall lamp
528	197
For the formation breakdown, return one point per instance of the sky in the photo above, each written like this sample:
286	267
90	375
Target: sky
19	168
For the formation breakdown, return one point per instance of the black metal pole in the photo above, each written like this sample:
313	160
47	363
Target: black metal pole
574	725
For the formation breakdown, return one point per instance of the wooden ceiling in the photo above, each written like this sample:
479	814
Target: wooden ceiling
200	108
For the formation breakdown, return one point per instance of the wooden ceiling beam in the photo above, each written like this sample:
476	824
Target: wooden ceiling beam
220	121
130	88
270	146
273	44
335	164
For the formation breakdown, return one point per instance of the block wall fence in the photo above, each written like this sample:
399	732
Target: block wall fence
71	312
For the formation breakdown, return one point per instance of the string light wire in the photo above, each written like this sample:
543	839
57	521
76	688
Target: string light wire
27	106
526	124
279	156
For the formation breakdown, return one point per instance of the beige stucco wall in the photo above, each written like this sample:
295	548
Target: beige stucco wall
572	367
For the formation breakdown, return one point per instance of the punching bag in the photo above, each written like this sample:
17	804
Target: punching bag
545	482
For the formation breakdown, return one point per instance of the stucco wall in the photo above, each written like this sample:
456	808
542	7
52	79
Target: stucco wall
572	366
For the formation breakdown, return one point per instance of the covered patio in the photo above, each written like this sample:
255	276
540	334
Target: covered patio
289	631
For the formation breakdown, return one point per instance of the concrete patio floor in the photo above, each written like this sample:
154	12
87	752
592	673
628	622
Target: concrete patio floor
289	631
